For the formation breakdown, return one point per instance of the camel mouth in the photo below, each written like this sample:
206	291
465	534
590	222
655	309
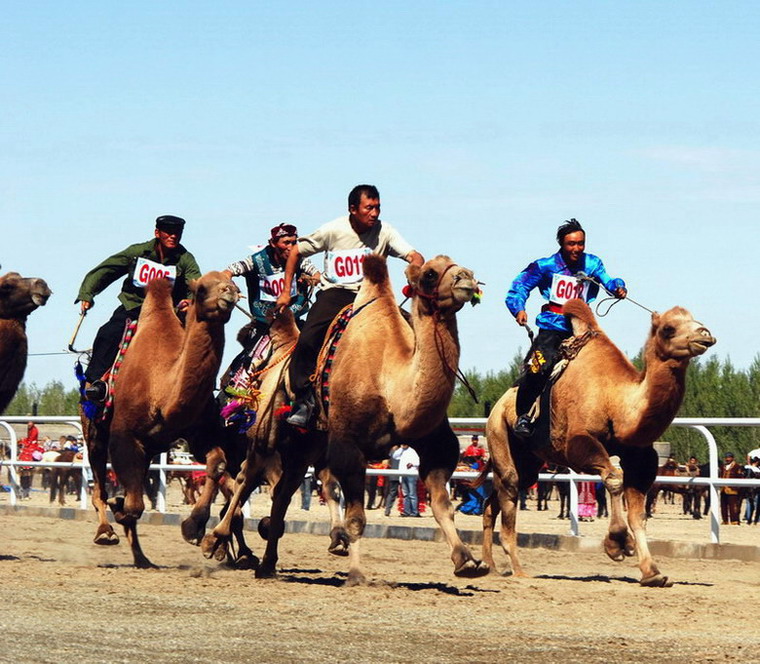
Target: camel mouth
40	299
699	346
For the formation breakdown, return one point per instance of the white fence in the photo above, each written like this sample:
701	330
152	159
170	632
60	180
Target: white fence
700	424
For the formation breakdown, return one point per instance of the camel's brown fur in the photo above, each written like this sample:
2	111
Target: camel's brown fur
19	296
601	406
390	383
162	393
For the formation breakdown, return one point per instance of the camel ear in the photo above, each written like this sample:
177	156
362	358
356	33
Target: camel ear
655	321
412	274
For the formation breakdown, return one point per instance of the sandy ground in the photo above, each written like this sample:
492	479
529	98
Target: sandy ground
65	598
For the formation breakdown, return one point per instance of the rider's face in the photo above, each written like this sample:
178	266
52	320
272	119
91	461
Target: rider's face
365	215
282	246
573	246
168	239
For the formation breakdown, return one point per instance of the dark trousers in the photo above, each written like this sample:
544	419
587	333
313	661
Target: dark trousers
304	359
538	367
106	343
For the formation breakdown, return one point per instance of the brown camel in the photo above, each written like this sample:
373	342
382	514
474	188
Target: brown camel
390	382
163	392
600	406
19	296
270	446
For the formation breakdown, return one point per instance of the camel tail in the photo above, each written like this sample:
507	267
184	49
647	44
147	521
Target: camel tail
581	317
480	479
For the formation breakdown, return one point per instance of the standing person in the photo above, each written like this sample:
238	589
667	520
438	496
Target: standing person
729	495
162	256
345	242
392	481
556	278
752	472
409	461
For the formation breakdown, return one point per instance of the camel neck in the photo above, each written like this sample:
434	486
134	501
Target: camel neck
664	384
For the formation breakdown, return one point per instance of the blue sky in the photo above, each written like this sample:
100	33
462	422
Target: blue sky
483	124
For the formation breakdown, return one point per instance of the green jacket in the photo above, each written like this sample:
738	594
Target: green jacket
124	262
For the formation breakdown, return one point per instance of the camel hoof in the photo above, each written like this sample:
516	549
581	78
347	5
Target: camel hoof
213	546
355	579
143	563
339	543
338	550
106	538
265	572
656	581
193	531
247	561
472	569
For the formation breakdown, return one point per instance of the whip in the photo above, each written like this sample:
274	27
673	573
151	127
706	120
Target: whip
582	276
76	332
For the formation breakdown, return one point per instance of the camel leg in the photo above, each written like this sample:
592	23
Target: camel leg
97	450
130	464
292	476
640	467
491	510
339	542
586	454
439	452
194	526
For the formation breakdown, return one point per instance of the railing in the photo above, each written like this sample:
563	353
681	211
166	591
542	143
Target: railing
475	424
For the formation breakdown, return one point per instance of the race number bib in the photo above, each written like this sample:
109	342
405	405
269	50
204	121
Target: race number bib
345	265
566	287
147	270
272	285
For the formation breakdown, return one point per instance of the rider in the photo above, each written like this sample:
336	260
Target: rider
264	273
555	276
162	256
345	242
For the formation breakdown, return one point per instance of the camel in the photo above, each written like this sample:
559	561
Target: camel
390	382
19	296
600	406
163	392
270	446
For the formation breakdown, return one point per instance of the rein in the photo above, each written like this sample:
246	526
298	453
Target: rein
582	276
433	300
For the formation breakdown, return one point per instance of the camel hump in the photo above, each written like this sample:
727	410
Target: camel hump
581	317
375	269
161	287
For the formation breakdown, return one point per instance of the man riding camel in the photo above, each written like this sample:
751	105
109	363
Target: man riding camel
345	242
162	256
556	277
264	273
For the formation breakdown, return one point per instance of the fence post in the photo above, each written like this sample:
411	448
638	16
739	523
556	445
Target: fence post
161	497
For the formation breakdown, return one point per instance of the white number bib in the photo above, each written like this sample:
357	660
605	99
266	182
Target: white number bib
566	287
147	270
344	266
272	285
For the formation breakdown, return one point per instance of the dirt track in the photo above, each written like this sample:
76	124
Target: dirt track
64	598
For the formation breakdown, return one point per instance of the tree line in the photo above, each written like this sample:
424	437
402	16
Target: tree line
714	388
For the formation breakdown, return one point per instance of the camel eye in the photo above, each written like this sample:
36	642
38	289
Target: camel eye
429	277
668	331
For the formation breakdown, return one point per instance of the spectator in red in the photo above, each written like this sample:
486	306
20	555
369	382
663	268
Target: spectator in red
29	450
730	499
474	454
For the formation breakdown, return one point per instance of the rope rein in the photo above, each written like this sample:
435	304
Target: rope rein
582	276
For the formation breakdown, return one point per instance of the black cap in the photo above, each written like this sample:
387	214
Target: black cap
169	222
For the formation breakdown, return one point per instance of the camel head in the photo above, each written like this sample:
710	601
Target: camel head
676	335
214	296
20	296
442	284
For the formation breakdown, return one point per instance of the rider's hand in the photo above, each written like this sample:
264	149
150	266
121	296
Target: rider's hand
620	293
522	318
282	302
85	306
